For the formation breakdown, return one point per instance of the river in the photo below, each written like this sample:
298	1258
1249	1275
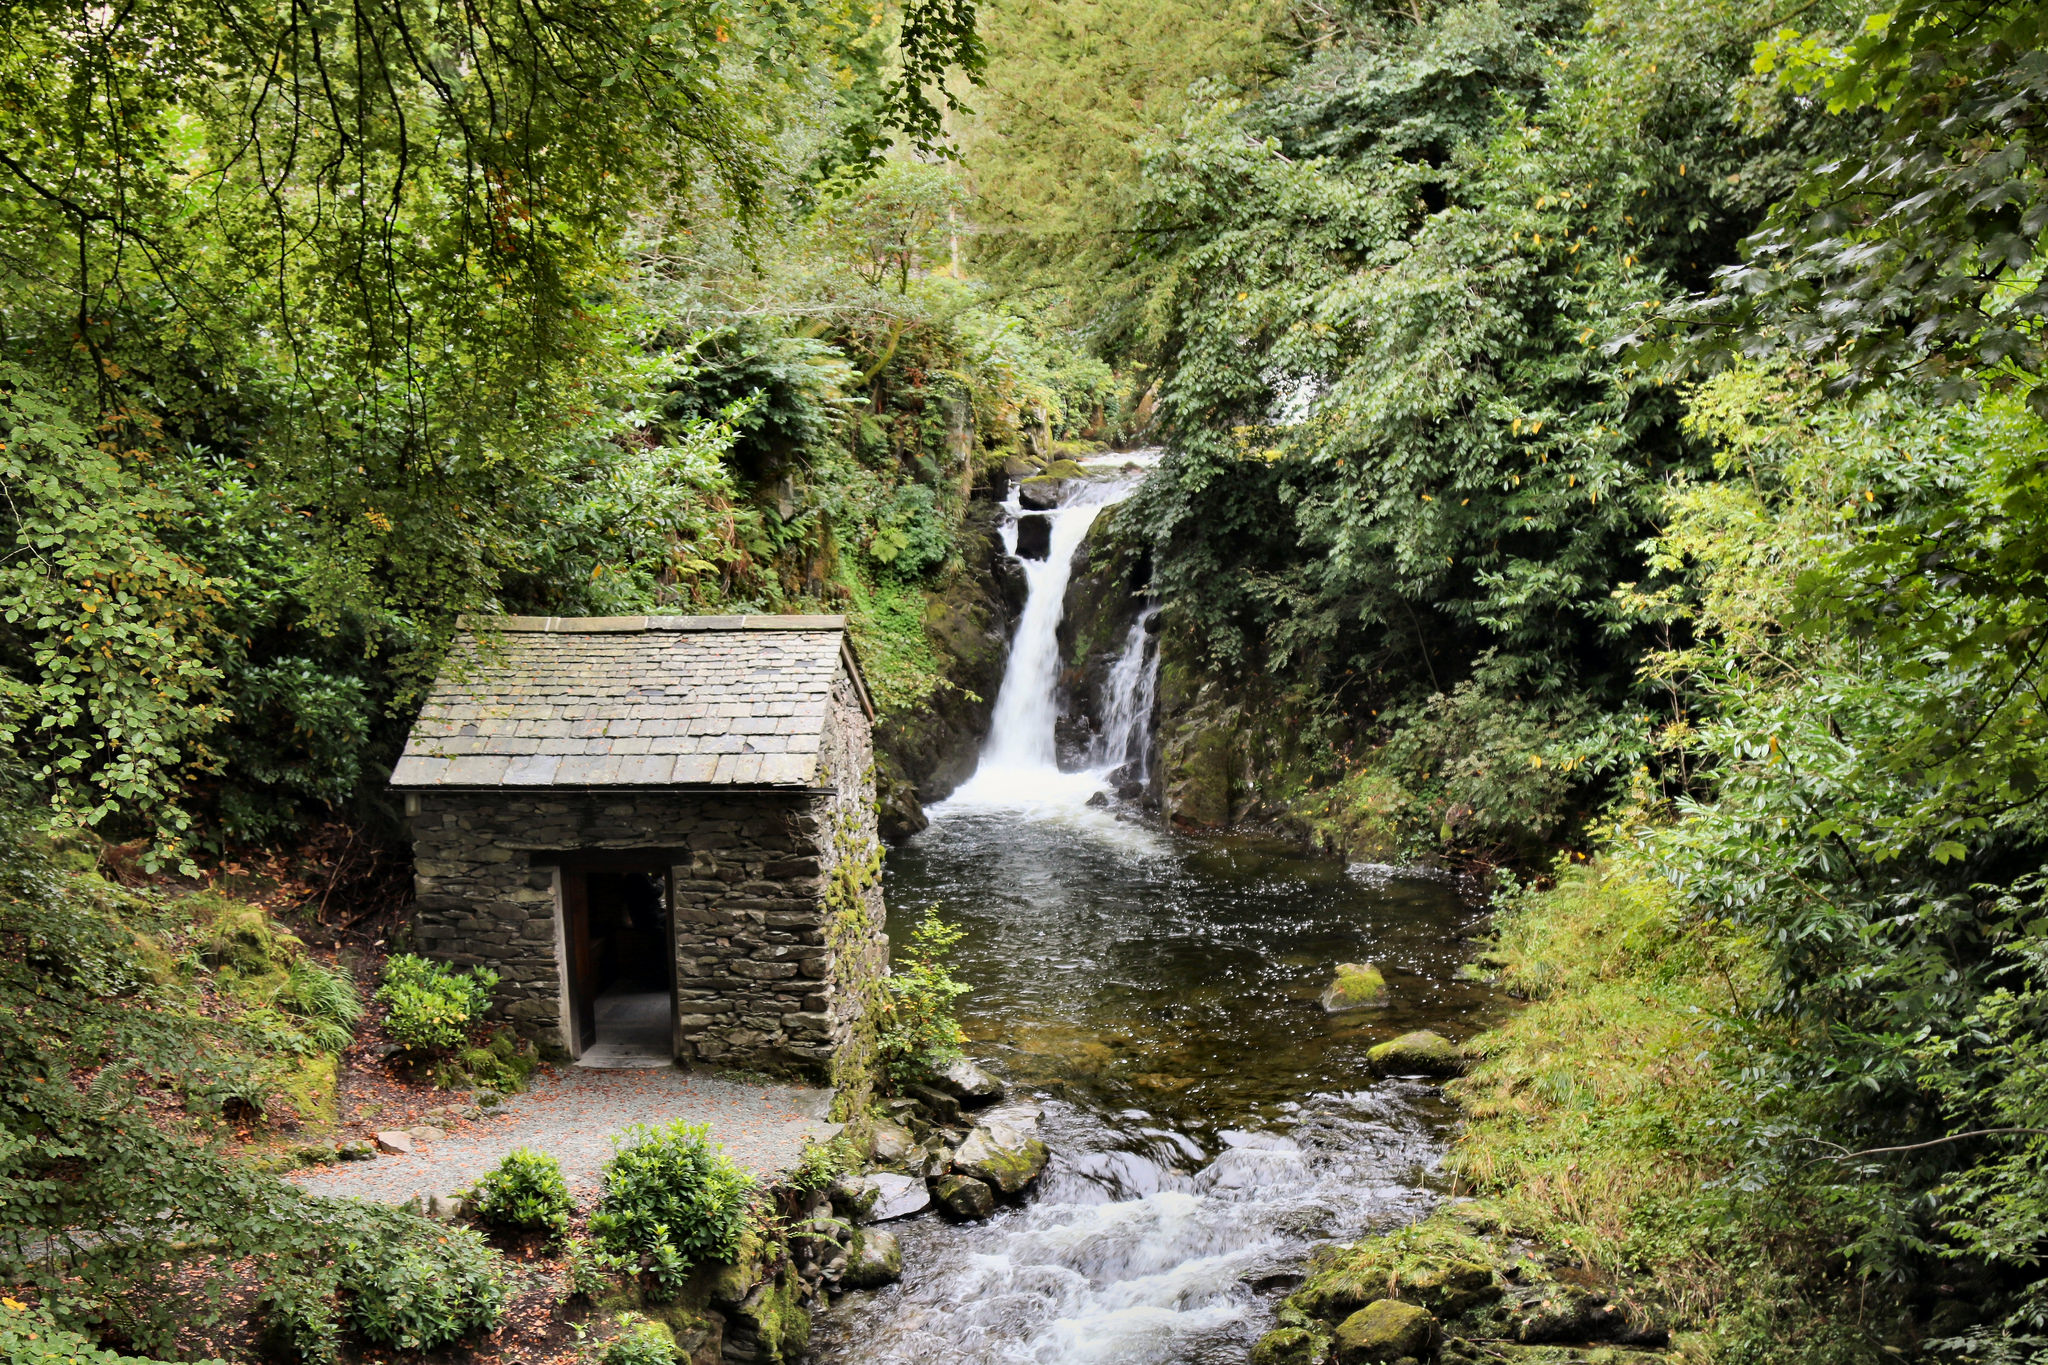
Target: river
1158	995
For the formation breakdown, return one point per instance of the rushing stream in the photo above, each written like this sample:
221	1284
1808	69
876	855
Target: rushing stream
1209	1123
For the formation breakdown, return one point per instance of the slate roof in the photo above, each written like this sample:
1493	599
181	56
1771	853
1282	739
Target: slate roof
641	701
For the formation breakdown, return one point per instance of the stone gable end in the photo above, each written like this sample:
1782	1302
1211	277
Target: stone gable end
731	757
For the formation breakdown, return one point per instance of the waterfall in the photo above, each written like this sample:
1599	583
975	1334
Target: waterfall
1020	732
1018	761
1130	691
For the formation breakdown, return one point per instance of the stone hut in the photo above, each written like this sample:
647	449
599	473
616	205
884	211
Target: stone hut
658	830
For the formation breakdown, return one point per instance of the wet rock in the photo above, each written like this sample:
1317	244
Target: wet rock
942	1107
1386	1330
1002	1154
969	1084
898	813
1358	986
896	1196
1098	800
853	1197
318	1155
874	1258
395	1140
1012	587
893	1143
964	1196
1421	1053
1041	494
1034	536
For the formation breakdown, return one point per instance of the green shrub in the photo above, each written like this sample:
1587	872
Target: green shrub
433	1005
28	1336
525	1193
673	1200
420	1295
588	1269
919	1035
503	1063
643	1342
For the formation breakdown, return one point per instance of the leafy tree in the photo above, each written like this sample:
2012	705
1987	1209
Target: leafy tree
1915	255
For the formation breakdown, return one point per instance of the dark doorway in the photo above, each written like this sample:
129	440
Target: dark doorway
621	962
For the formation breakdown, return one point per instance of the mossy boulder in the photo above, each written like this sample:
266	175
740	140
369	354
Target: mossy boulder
1291	1346
1386	1330
1421	1053
772	1325
893	1146
1004	1157
964	1196
1358	986
873	1258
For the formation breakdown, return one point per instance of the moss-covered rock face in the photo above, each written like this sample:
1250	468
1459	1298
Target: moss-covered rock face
1291	1346
1487	1294
1385	1330
772	1326
1421	1053
923	754
1358	986
1198	759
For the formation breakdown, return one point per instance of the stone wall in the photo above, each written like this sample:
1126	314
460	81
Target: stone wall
851	864
760	981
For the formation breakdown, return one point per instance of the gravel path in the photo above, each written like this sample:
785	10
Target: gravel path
572	1113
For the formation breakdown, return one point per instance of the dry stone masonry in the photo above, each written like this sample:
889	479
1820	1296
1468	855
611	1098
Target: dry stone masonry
731	756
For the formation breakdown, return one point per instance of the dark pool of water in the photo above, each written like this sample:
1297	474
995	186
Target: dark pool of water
1209	1122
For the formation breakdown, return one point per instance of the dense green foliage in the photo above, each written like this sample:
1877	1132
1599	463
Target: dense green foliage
920	1036
525	1193
433	1006
672	1201
321	329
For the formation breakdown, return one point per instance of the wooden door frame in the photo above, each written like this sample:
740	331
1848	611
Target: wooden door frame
572	869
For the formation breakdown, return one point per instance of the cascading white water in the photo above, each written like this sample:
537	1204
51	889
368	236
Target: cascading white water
1129	693
1020	731
1019	764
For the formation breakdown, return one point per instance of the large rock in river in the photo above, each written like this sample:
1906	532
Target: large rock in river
1003	1152
895	1196
969	1084
1358	986
873	1258
1385	1331
964	1197
1421	1053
